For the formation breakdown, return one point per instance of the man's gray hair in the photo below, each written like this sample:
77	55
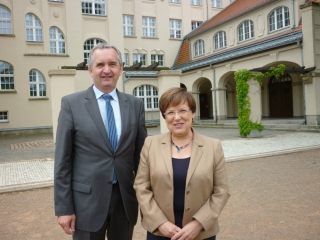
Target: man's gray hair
102	46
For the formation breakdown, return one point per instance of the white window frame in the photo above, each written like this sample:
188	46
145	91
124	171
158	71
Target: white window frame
149	26
6	76
175	28
195	24
174	1
94	7
149	95
37	84
5	20
127	21
88	45
139	57
57	42
216	3
220	40
244	35
126	59
157	58
195	2
33	28
199	48
279	18
4	116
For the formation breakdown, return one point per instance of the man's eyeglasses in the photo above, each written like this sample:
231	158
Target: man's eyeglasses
181	112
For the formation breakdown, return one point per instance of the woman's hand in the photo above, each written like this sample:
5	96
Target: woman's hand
189	231
168	229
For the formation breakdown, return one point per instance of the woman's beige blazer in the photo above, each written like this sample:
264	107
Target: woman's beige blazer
206	192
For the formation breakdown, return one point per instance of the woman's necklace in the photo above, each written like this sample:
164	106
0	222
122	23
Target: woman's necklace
180	148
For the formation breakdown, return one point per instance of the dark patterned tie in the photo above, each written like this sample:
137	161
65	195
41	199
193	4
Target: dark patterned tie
111	128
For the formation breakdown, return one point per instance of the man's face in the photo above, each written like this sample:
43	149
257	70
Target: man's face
106	69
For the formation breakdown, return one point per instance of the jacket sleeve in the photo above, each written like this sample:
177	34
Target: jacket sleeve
153	216
212	208
141	135
63	161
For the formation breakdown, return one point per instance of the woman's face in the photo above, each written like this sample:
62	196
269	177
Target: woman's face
179	119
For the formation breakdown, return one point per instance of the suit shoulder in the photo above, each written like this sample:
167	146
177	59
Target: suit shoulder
75	96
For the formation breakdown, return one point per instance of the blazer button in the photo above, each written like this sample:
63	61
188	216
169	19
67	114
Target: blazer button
187	209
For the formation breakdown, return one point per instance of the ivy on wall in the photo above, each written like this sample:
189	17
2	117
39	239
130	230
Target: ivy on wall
241	77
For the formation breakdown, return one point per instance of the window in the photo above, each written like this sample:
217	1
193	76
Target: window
199	47
37	84
6	76
216	3
148	94
157	58
5	21
126	59
195	2
220	40
57	43
245	30
279	18
87	47
33	28
149	26
175	28
139	58
94	7
4	116
195	24
174	1
127	21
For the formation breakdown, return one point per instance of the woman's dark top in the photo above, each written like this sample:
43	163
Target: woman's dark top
180	169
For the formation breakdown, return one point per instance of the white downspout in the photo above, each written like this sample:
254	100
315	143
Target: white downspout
214	94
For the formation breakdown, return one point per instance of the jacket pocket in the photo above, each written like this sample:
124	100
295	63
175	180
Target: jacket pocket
81	187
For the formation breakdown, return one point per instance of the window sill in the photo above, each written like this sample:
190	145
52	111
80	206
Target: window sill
128	36
96	17
150	38
4	121
195	5
8	91
34	43
7	35
200	55
45	55
246	40
219	49
278	30
38	98
176	39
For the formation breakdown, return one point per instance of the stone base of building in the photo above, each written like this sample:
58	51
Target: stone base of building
313	120
25	131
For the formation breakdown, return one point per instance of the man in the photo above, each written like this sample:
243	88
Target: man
97	154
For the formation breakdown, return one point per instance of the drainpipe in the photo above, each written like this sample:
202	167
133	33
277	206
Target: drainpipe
207	10
303	86
124	80
214	94
293	15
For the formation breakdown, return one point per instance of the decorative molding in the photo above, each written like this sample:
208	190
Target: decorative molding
33	1
141	73
56	14
308	77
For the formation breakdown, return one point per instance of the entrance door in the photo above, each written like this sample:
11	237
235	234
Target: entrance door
203	105
280	97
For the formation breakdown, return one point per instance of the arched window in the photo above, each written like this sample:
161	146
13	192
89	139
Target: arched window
199	48
87	47
279	18
94	7
6	76
57	43
246	30
33	28
220	40
37	84
149	95
5	20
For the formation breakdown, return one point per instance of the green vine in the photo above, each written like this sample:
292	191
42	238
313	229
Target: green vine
241	77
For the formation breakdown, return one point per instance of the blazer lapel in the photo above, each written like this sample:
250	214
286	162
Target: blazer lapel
195	155
166	153
94	111
125	113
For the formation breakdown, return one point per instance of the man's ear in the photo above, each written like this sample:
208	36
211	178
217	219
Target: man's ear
90	71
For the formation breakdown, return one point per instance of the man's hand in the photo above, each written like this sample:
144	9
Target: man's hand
67	223
168	229
189	231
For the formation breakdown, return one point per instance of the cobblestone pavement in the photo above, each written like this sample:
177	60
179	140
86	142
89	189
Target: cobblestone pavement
26	162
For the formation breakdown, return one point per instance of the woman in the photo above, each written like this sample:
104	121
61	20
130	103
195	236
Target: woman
181	183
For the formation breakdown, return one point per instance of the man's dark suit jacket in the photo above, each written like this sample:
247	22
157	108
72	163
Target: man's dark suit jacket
84	161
